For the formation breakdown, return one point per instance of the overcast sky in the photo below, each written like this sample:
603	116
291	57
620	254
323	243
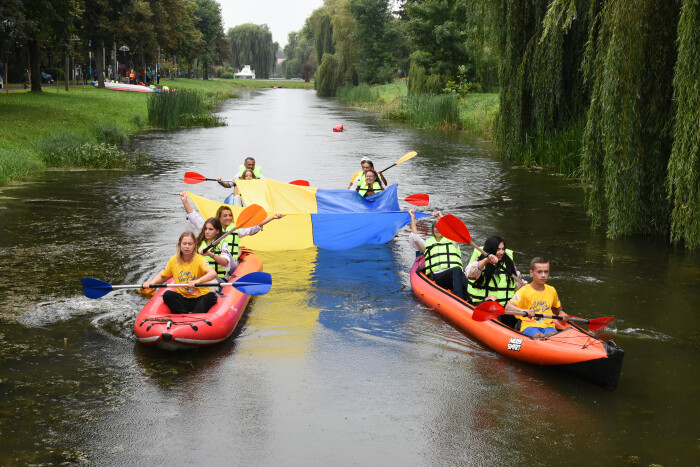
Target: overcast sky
281	16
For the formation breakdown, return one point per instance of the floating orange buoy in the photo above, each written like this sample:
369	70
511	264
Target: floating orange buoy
338	127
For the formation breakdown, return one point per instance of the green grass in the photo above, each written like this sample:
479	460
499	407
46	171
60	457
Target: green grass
93	115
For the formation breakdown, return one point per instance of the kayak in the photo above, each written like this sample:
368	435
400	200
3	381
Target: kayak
572	349
126	87
156	326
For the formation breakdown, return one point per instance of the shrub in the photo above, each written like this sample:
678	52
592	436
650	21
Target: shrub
138	120
356	94
227	75
109	133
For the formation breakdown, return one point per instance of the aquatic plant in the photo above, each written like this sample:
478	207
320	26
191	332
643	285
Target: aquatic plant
165	109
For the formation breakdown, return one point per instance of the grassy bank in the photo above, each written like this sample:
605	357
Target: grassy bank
79	128
474	113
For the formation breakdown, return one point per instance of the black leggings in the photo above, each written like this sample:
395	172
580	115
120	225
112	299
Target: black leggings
182	305
455	280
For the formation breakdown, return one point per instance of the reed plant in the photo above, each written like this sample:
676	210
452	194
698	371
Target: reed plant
70	149
166	109
16	163
362	93
433	111
560	151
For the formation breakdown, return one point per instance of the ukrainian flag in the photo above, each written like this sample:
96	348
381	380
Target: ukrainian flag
329	219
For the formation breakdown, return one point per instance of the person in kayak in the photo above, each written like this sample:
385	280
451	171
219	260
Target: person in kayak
225	216
359	177
247	175
219	256
443	259
537	298
491	277
187	266
371	185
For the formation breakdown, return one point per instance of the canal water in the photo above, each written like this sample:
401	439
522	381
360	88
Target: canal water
339	363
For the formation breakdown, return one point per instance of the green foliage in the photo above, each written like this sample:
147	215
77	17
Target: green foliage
110	133
166	109
301	60
416	79
327	76
434	84
138	120
357	94
201	121
375	40
252	44
17	163
429	111
228	75
69	149
684	164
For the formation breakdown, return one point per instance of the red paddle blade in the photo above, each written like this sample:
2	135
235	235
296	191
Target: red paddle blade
487	310
193	178
299	182
251	216
454	229
419	199
597	324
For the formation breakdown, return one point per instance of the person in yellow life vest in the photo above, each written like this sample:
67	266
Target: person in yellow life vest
219	256
371	185
359	177
491	277
443	259
537	298
246	175
187	267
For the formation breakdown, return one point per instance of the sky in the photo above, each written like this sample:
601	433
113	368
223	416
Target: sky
281	16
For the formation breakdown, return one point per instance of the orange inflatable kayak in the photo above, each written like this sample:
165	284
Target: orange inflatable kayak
155	325
573	349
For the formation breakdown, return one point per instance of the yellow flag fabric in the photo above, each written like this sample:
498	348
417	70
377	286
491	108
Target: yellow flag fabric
276	196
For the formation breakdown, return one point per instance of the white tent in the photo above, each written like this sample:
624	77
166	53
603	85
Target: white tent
245	73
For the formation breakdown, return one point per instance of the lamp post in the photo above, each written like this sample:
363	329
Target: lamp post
124	49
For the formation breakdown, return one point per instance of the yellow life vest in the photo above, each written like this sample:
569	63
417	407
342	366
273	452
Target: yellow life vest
232	242
440	255
220	270
363	188
257	171
501	284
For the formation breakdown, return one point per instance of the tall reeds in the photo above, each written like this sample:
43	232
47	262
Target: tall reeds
168	109
432	111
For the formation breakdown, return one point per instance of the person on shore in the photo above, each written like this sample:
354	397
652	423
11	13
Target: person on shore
359	177
225	215
187	266
537	298
491	277
371	185
443	259
219	256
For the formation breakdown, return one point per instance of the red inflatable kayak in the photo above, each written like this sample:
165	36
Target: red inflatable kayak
155	325
572	349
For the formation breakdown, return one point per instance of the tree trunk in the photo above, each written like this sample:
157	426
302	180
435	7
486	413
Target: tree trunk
35	72
67	72
100	66
206	70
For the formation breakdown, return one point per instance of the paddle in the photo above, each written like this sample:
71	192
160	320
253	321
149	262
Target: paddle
404	158
193	178
255	283
451	227
489	310
419	199
249	217
299	182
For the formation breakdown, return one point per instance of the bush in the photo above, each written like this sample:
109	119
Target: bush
327	76
356	94
138	120
69	149
16	164
227	75
416	79
433	85
109	133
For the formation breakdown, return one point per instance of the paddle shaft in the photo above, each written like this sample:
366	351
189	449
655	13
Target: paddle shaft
156	286
218	240
539	315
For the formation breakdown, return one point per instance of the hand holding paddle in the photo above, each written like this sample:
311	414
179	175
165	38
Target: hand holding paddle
193	178
451	227
490	310
255	283
251	216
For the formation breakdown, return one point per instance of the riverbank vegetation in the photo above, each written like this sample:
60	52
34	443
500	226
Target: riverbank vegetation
602	90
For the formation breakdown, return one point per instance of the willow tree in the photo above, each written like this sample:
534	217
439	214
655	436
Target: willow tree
251	44
684	163
628	136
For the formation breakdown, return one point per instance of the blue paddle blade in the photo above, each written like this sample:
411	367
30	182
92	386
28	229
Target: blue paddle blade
229	199
255	283
95	288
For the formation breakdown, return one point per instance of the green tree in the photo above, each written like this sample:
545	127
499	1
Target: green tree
375	40
210	25
251	44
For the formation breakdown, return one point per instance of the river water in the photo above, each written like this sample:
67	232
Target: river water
338	363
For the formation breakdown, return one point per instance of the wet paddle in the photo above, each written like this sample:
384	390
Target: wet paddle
419	199
193	178
249	217
404	158
255	283
299	182
451	227
490	310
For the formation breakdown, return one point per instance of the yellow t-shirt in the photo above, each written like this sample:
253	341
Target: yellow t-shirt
357	174
185	272
540	302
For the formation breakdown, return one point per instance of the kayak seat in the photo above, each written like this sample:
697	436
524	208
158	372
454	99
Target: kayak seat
510	321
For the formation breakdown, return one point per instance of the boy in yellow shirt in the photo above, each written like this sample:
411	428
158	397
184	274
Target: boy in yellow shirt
537	298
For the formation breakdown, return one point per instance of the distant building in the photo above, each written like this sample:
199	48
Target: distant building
245	73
